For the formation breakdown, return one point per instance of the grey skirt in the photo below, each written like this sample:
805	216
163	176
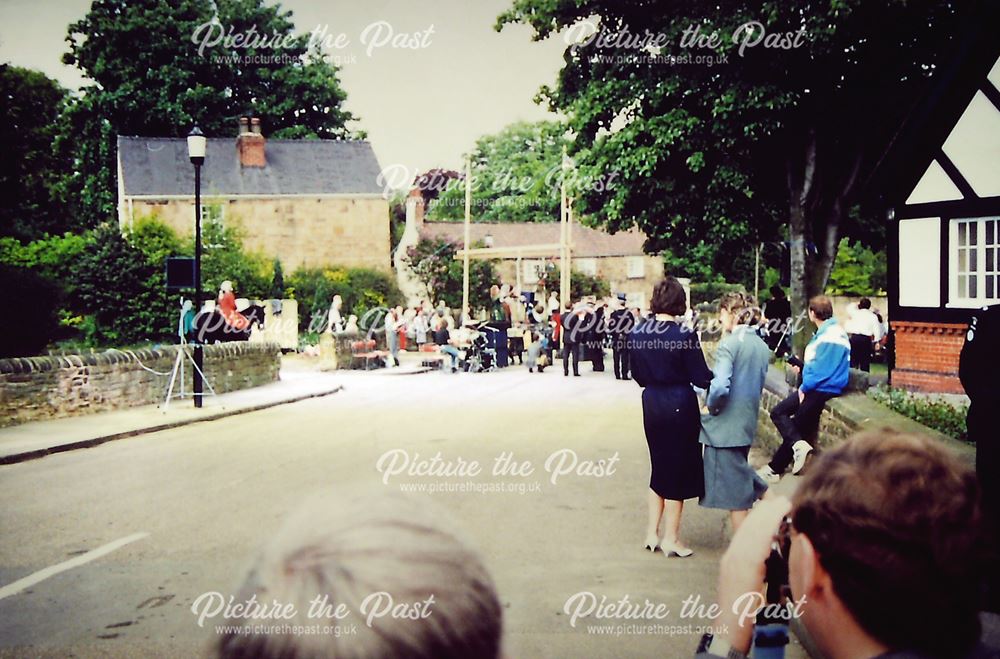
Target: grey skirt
730	481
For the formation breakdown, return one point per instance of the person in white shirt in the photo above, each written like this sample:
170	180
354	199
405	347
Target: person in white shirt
864	330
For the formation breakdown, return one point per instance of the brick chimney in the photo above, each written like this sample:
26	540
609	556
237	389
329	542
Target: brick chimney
415	208
250	143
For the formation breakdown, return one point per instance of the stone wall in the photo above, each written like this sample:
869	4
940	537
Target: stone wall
614	269
36	388
301	231
844	416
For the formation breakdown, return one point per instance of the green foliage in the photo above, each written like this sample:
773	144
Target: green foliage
223	258
515	177
30	168
360	289
582	285
51	257
434	264
696	263
277	281
123	291
31	300
711	291
731	151
149	77
857	271
933	413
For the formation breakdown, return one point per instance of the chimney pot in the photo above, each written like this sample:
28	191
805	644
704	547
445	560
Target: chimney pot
250	144
244	126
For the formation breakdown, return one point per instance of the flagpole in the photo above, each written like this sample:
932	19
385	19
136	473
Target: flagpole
466	311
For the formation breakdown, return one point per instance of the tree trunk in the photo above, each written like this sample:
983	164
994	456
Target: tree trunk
816	212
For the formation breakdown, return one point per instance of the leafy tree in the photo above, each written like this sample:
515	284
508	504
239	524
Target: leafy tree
759	141
35	323
155	71
30	168
224	258
360	289
123	292
515	177
277	281
858	270
52	257
581	285
434	264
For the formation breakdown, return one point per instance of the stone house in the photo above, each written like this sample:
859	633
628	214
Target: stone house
941	192
306	202
617	258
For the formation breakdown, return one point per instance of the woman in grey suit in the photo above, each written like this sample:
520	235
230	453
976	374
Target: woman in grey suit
733	403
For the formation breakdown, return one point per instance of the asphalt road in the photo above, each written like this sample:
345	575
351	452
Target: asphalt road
190	506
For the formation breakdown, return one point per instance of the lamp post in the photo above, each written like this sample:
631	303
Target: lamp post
196	152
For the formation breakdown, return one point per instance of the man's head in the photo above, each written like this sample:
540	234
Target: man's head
886	531
777	293
820	309
865	303
349	547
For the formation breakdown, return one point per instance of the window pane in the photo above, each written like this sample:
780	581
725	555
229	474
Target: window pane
961	234
990	259
990	227
973	233
962	261
989	286
973	260
962	289
972	287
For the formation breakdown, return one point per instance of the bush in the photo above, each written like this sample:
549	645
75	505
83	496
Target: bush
31	301
360	289
582	285
434	264
124	291
709	292
933	413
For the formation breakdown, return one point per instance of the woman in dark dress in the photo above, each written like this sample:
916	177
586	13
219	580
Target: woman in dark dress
666	361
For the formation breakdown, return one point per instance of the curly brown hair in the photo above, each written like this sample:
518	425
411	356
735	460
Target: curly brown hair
895	520
743	306
669	297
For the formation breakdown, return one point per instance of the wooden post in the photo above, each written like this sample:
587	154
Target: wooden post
466	311
564	256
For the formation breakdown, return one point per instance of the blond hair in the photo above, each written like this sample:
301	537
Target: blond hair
349	547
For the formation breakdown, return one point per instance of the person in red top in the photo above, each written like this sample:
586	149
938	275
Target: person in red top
227	307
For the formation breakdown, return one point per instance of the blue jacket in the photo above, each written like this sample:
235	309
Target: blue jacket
734	395
827	360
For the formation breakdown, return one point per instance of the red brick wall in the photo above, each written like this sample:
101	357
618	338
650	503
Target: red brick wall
927	356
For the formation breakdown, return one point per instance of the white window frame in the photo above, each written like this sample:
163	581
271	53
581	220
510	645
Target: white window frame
209	214
586	266
636	267
529	270
963	254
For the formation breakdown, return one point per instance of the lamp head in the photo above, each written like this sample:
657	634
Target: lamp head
196	143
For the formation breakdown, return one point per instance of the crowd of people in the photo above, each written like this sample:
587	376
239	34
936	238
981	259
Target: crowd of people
885	543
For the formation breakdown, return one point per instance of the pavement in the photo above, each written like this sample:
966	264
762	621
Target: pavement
104	550
40	438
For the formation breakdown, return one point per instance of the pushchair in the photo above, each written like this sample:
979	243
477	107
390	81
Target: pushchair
482	355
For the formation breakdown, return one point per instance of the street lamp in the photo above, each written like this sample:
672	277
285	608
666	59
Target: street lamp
196	143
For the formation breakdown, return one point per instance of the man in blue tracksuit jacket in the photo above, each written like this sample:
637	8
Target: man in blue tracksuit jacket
824	376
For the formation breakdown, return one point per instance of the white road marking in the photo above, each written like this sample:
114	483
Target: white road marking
52	570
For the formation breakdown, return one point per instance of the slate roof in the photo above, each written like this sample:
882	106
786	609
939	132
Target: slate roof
160	166
587	242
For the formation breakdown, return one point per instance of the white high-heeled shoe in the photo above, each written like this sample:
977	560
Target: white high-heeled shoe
672	549
652	543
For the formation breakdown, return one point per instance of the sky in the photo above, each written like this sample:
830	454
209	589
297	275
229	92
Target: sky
422	107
